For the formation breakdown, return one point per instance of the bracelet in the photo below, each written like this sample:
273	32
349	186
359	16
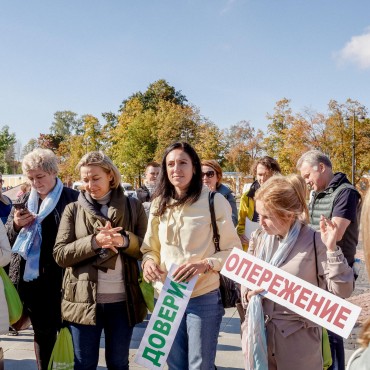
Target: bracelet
209	265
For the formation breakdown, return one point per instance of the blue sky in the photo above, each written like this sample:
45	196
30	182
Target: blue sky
233	59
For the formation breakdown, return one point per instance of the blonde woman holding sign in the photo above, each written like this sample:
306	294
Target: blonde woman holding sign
179	232
287	340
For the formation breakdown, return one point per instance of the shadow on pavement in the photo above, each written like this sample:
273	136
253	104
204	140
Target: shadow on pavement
20	364
226	347
231	326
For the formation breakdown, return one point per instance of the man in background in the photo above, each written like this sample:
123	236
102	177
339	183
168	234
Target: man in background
145	191
337	199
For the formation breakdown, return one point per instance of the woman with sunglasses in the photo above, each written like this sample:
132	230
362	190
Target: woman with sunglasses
179	232
211	177
263	169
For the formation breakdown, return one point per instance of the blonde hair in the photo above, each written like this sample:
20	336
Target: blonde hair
364	339
40	159
103	161
284	196
214	164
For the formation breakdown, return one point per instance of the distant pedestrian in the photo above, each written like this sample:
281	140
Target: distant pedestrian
263	168
24	188
144	193
212	177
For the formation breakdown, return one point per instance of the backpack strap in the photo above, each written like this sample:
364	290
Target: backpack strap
216	236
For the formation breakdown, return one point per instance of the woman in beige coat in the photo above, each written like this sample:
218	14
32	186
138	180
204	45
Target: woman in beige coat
285	241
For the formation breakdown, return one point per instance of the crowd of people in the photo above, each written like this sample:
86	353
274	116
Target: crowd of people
77	255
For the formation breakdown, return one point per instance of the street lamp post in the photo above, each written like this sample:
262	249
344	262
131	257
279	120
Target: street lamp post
360	118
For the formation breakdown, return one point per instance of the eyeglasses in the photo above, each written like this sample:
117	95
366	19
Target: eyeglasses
208	174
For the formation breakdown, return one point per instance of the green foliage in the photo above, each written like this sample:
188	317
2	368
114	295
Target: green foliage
157	91
31	145
7	141
65	124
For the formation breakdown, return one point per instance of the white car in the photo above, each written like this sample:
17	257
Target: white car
128	189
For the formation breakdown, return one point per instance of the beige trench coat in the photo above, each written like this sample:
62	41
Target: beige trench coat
293	341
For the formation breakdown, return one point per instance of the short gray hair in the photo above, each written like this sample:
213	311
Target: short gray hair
40	159
314	158
101	160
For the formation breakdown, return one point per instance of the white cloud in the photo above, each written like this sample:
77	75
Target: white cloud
357	51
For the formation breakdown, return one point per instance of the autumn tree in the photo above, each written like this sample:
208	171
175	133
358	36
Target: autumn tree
31	145
243	146
66	123
49	141
7	156
157	91
343	122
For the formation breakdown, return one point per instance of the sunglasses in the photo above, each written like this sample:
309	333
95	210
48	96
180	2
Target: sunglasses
208	174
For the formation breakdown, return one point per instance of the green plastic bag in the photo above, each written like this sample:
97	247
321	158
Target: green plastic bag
148	292
15	306
326	353
62	357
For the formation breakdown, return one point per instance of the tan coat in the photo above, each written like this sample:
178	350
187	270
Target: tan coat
293	341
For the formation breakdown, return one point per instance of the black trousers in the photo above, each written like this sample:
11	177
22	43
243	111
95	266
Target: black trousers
42	300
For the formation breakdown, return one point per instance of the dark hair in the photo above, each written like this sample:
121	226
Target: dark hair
166	191
269	162
152	164
252	190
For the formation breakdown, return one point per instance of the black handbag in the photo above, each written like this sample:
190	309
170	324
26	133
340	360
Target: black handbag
230	292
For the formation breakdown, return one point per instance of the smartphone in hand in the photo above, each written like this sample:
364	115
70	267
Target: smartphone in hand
20	205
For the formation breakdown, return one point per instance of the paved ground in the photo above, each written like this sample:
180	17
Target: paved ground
19	354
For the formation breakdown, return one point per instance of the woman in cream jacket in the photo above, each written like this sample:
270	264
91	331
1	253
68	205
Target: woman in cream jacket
179	232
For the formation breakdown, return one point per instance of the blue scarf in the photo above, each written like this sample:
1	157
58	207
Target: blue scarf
28	243
257	343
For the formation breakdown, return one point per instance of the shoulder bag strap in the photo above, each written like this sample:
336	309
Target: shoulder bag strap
130	223
314	247
216	236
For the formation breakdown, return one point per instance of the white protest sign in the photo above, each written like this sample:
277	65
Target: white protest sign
164	323
303	298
